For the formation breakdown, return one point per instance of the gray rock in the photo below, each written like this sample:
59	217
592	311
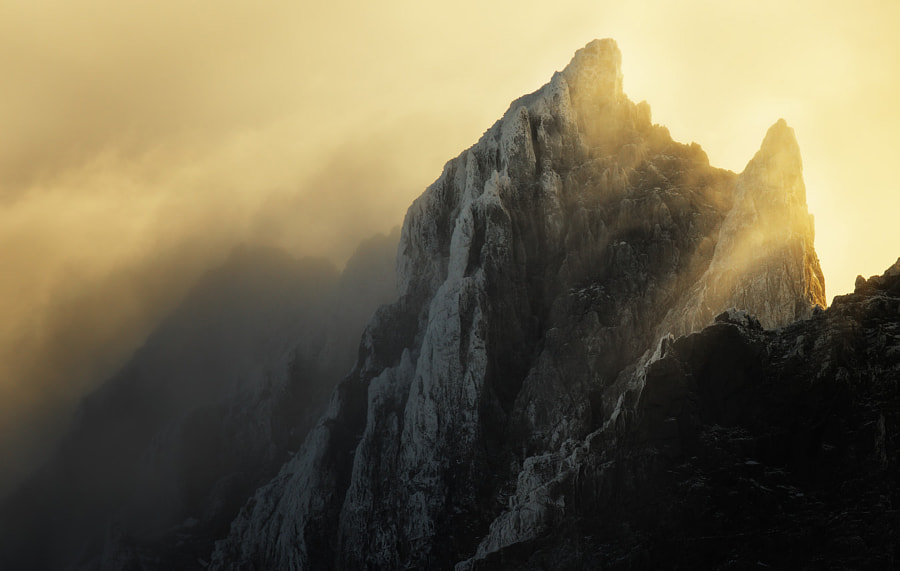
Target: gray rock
540	276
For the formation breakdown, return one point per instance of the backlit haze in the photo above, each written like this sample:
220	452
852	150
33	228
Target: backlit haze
141	141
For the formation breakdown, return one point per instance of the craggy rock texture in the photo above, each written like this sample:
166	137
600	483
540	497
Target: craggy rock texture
163	455
749	448
765	246
541	278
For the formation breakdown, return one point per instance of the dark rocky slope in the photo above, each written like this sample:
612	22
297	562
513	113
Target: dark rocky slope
541	276
750	448
163	455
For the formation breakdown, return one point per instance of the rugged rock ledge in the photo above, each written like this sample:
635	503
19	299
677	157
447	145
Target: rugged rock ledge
542	277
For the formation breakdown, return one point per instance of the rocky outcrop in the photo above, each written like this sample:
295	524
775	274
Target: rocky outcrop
764	262
541	278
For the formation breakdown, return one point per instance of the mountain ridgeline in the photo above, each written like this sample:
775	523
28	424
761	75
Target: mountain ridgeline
541	277
602	352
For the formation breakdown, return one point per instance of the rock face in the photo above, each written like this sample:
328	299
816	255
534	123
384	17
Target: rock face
541	279
749	448
764	262
165	453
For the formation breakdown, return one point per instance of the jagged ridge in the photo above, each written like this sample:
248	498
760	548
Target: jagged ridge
538	276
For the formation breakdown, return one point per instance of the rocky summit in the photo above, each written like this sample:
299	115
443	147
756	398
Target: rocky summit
543	278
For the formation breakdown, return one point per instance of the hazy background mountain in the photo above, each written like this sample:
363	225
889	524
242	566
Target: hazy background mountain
162	455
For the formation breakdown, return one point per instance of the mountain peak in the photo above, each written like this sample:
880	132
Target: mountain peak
779	151
596	69
538	276
601	60
593	82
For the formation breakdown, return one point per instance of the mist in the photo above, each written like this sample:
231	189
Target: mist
142	142
176	433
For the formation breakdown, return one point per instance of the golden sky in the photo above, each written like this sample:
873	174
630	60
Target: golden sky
140	140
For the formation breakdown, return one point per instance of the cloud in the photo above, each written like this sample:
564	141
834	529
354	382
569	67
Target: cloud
89	274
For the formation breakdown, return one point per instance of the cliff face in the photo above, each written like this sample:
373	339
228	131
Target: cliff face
541	277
